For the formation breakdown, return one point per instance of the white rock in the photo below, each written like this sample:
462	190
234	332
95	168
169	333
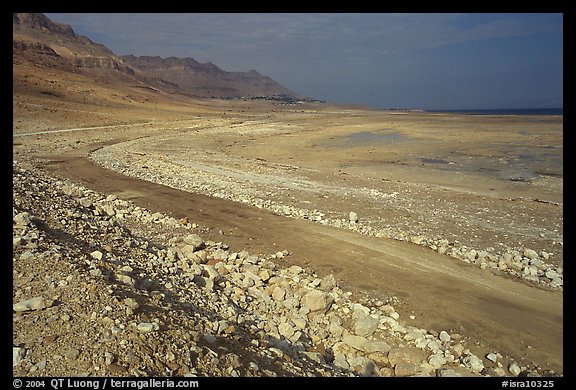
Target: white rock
125	279
17	355
437	360
36	303
97	255
551	274
22	219
353	217
131	303
514	369
531	254
492	357
194	240
473	362
444	336
147	327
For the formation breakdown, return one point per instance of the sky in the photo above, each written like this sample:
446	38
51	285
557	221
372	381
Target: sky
430	61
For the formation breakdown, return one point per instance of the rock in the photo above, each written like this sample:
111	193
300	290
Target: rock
340	361
278	294
327	283
286	330
444	336
17	355
316	300
551	274
473	362
364	366
109	358
365	325
406	355
194	240
22	219
295	270
514	369
437	360
407	369
125	279
97	255
531	254
365	345
454	372
557	282
36	303
276	351
359	310
353	217
147	327
72	354
26	255
433	345
492	357
211	271
188	252
457	349
314	356
357	342
85	202
131	304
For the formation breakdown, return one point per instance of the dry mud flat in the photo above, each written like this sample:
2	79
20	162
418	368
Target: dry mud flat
297	165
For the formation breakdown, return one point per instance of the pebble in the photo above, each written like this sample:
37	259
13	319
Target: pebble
147	327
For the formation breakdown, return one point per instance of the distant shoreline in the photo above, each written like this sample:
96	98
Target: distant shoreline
507	111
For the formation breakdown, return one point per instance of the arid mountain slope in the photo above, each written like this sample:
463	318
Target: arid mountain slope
190	76
38	42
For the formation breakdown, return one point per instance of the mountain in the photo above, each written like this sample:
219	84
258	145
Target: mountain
207	79
39	42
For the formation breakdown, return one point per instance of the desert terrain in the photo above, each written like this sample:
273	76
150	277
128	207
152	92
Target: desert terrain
445	229
420	228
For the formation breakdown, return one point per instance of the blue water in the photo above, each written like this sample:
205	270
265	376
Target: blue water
507	111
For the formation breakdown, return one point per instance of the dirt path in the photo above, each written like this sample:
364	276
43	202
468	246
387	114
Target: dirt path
502	315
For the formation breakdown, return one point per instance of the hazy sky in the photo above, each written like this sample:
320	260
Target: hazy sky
429	61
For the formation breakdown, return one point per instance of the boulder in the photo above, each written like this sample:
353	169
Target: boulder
316	300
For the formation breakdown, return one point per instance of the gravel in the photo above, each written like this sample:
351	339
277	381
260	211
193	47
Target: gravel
107	288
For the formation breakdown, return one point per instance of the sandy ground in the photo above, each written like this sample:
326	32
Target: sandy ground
478	182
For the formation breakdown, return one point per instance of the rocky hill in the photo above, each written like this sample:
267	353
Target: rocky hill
40	42
206	79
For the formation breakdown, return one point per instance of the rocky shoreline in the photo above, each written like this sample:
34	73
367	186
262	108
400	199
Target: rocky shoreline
528	264
105	288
